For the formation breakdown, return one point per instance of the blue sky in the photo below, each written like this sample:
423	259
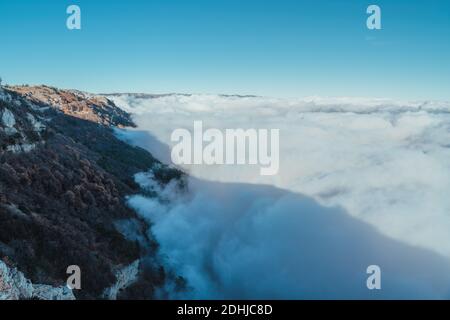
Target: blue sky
277	48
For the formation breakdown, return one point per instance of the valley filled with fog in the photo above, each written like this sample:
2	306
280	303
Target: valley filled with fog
361	181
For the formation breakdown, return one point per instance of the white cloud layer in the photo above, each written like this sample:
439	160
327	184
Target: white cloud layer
383	162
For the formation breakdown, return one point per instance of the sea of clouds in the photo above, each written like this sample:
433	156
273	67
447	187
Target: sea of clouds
361	181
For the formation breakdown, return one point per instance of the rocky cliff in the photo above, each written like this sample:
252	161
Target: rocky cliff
64	177
14	286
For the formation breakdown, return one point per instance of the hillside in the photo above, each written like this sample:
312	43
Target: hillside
64	177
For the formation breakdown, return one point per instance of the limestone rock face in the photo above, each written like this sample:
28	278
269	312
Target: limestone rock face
14	286
124	278
37	125
8	119
8	122
20	130
46	292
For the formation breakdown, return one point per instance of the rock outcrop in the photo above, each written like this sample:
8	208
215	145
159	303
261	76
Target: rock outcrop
75	103
15	286
20	129
124	278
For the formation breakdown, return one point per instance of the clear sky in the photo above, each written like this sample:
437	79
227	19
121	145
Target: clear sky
282	48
